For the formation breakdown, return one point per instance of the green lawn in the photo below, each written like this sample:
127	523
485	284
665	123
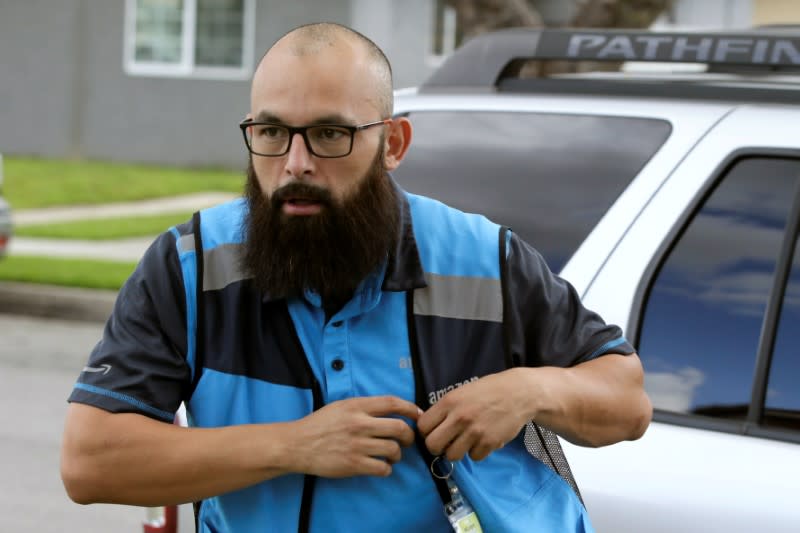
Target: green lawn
105	228
46	182
67	272
31	183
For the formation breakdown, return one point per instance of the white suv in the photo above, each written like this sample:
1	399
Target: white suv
672	203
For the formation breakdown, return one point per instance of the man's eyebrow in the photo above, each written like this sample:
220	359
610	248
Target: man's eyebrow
266	116
335	118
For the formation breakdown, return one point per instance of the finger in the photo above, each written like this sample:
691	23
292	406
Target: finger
372	466
460	446
441	437
386	449
394	428
480	452
390	405
431	419
484	445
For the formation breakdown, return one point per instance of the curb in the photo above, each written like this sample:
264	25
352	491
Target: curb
51	301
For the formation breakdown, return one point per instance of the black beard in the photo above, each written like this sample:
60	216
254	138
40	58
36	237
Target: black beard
330	252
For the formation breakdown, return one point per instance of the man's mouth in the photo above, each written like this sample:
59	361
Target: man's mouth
301	206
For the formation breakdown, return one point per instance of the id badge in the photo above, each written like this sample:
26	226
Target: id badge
458	510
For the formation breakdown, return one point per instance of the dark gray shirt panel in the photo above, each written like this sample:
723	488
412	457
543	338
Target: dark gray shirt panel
140	363
549	326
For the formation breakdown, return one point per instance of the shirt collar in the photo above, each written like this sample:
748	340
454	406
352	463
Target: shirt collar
404	270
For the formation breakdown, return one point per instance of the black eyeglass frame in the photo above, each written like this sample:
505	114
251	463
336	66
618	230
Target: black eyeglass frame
302	130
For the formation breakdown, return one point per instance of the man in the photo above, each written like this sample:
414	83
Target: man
339	342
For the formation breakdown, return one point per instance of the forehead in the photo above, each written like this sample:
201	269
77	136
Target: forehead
332	79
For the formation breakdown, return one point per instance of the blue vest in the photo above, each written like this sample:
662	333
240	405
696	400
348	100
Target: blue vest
255	360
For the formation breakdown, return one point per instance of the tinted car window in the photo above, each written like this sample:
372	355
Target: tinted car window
782	404
703	316
551	177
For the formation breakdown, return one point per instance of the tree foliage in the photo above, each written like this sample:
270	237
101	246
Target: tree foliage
474	17
479	16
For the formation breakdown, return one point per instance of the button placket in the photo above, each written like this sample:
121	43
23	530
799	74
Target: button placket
336	357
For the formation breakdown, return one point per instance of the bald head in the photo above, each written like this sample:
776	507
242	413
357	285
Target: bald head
319	39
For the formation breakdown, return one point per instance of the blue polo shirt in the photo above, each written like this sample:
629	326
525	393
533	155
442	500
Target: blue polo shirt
363	351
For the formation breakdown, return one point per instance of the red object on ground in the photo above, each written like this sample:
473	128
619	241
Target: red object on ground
169	524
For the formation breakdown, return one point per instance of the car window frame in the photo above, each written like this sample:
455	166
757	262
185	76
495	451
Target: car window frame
750	425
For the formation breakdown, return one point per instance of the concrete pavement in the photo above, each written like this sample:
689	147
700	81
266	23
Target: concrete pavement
50	301
84	304
116	250
189	202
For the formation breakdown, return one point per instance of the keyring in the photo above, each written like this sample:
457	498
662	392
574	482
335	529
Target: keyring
433	470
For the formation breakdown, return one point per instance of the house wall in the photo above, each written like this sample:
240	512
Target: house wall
38	77
403	30
776	12
716	14
180	121
64	93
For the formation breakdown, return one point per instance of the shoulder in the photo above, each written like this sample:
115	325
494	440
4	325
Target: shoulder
429	214
164	251
223	223
452	241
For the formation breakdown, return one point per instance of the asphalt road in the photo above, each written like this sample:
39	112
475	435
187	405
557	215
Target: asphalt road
39	361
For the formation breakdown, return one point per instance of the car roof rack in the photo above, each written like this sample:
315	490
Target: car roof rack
485	60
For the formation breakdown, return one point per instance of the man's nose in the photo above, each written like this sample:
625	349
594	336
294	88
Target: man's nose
299	161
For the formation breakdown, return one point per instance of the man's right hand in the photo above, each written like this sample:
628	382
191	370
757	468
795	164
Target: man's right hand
158	463
354	437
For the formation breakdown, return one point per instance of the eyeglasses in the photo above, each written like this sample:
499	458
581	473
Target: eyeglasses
322	140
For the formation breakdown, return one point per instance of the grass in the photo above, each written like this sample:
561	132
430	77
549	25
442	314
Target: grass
105	228
66	272
33	182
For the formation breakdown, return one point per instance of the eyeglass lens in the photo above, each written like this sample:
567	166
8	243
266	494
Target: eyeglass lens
323	141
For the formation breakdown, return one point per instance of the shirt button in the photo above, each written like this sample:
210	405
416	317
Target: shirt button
337	324
337	364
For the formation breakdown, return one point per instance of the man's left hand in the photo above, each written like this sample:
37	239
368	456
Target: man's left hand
477	418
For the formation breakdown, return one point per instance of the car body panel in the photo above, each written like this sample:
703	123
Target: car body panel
678	479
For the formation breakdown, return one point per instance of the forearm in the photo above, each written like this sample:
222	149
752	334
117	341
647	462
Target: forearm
131	459
595	403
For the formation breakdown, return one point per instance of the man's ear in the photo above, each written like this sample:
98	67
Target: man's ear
396	142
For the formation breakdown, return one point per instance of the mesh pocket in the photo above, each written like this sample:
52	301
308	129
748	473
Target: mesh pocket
545	446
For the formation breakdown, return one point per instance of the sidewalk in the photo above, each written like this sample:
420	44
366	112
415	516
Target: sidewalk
189	202
84	304
116	250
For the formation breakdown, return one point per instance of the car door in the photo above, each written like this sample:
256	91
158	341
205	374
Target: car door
707	283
